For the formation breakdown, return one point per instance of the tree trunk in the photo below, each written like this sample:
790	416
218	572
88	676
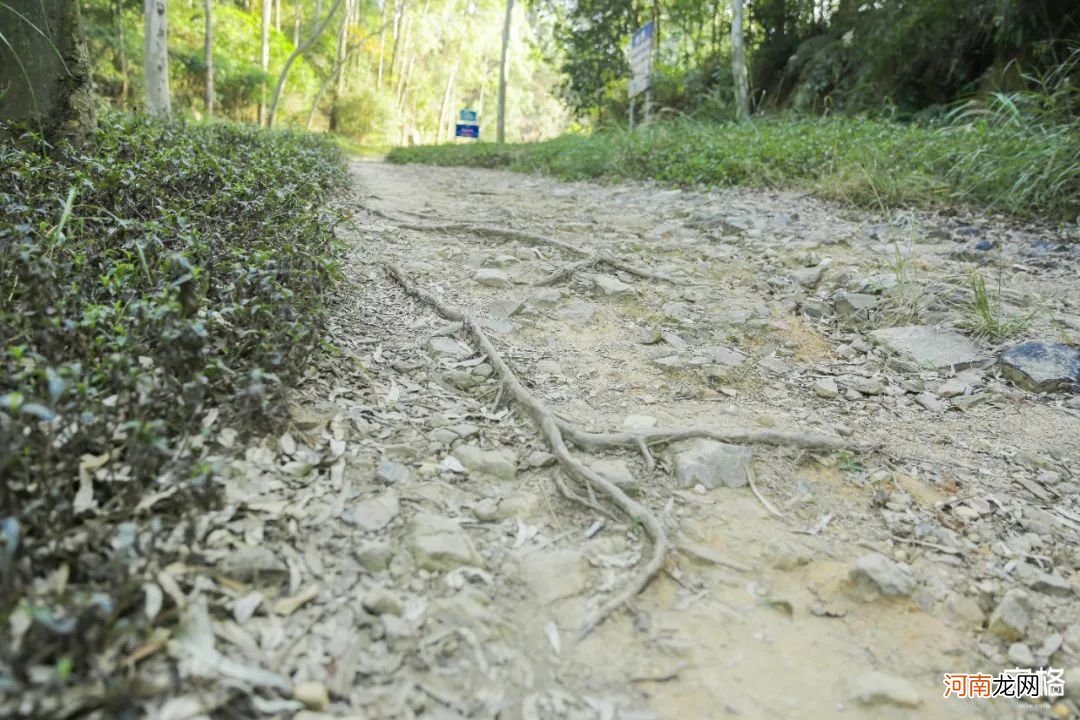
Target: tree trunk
156	64
300	50
504	73
208	59
399	18
277	15
382	47
44	68
738	62
444	107
264	55
342	49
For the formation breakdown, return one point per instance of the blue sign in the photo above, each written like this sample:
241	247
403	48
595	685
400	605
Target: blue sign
467	116
641	59
642	37
467	131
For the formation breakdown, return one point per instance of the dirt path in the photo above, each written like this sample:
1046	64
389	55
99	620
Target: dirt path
413	555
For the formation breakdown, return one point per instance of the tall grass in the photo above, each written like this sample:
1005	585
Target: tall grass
1017	153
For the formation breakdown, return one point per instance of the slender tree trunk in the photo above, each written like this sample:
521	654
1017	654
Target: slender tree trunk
399	19
738	62
44	69
277	15
264	55
444	107
208	59
156	64
342	49
121	53
382	47
504	73
407	24
300	50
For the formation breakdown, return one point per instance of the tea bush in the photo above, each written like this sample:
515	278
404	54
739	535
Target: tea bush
158	278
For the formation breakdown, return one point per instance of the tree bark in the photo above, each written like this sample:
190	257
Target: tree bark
264	56
44	68
444	107
382	46
208	59
738	62
156	62
504	73
300	50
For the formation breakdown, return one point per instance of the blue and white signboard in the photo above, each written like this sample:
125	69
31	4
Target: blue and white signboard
467	116
467	131
641	43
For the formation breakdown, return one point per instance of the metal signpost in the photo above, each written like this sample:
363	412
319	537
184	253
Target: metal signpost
467	128
641	46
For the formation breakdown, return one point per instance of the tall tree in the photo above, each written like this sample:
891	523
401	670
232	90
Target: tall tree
738	62
44	69
156	58
264	55
208	58
504	73
300	50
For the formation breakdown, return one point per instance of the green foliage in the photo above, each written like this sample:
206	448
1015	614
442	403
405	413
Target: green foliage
162	274
872	163
988	317
362	115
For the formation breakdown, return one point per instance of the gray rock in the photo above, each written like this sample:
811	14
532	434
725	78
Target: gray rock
713	464
374	513
826	388
951	388
448	347
612	286
930	347
868	386
876	688
617	471
490	277
1011	617
878	284
964	610
1051	583
807	277
253	562
391	473
374	556
1020	655
816	309
546	299
556	575
439	543
380	601
876	575
498	463
539	459
854	305
931	402
1072	683
1042	367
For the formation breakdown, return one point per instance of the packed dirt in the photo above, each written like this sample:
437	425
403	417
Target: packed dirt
894	502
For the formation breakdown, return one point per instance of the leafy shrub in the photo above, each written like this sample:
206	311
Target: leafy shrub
359	116
161	276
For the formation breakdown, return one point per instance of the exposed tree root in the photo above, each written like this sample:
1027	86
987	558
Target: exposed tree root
658	436
491	231
552	432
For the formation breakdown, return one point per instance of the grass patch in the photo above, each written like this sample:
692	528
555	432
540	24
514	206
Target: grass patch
160	284
987	317
1031	169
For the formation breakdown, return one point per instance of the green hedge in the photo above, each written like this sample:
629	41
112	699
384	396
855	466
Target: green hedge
163	272
1019	168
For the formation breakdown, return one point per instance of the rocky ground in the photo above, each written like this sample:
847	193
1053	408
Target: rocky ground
410	547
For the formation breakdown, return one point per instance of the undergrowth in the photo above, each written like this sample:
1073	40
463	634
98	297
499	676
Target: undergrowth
157	285
1017	153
